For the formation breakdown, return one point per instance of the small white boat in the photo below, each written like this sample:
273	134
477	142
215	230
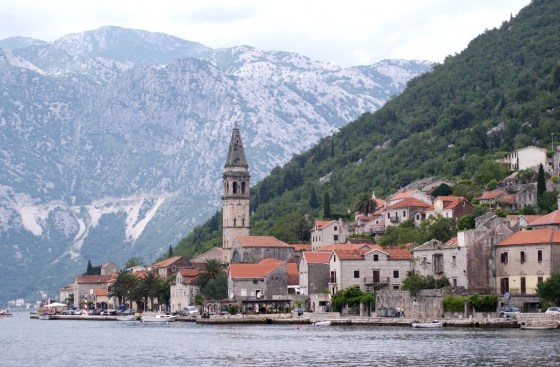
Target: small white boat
46	316
322	323
5	313
127	318
157	317
537	327
427	325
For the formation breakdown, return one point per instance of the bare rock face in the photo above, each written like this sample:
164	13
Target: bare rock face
113	140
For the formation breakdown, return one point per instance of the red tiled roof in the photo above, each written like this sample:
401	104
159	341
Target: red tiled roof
398	254
450	202
348	247
293	274
402	195
100	292
69	287
408	246
380	202
531	218
552	218
240	271
351	254
90	279
452	242
107	264
360	241
301	247
187	273
534	237
270	260
261	241
366	218
507	199
409	202
317	257
488	195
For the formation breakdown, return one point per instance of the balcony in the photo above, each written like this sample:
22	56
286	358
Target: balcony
374	280
395	219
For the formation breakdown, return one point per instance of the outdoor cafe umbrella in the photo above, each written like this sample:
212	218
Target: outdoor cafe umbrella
55	304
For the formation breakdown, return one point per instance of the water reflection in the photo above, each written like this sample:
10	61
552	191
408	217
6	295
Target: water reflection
30	342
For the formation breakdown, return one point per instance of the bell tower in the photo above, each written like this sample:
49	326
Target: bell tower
235	194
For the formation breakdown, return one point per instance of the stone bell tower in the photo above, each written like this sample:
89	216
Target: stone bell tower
235	194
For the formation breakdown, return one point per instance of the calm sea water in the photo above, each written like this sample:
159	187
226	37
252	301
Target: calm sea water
26	342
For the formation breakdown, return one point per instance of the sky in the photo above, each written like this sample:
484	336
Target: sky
344	32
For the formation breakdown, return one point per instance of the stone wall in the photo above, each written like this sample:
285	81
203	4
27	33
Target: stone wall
317	277
426	304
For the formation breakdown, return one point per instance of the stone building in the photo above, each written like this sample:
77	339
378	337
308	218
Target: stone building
328	232
403	210
367	268
450	207
551	220
85	285
438	259
416	194
252	249
264	280
170	266
314	272
65	292
215	253
235	194
183	289
109	268
481	263
526	258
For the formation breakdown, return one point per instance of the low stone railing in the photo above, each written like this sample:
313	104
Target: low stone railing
528	317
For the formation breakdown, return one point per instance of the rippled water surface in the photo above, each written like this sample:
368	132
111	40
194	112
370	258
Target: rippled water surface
26	342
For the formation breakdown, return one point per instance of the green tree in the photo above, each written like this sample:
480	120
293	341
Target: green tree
442	190
327	206
364	204
438	227
466	222
292	228
134	261
403	233
123	286
548	202
549	290
541	185
89	270
212	268
151	286
216	288
527	210
492	184
486	303
170	252
313	200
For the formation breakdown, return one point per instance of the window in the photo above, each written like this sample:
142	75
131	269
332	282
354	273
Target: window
437	262
376	276
173	268
356	274
235	187
242	187
375	257
523	286
463	203
336	237
539	255
334	258
243	293
395	274
389	215
522	257
333	277
234	224
395	287
504	285
453	260
504	257
455	282
335	228
404	213
417	216
539	280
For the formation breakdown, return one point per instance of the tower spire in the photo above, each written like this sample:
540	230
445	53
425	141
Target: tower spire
236	154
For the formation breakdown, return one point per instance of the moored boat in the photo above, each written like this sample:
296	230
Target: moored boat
45	315
322	323
157	317
127	318
537	326
5	313
427	325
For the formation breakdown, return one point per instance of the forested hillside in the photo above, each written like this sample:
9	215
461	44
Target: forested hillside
501	93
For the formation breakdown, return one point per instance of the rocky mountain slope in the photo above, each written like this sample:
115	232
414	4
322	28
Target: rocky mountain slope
113	139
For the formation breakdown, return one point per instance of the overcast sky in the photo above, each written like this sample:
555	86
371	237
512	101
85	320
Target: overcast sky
345	32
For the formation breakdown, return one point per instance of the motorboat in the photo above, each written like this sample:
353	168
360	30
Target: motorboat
427	325
5	313
127	318
46	315
157	317
322	323
537	326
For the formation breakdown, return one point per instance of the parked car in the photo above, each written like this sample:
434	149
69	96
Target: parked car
553	311
96	311
80	312
68	312
509	311
128	312
108	313
189	311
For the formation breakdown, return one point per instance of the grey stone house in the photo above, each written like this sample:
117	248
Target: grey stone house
85	285
252	249
264	280
314	272
109	268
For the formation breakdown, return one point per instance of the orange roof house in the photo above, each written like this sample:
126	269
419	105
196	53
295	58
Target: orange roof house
256	281
252	249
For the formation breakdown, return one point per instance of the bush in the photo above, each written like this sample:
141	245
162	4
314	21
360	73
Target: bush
483	304
454	303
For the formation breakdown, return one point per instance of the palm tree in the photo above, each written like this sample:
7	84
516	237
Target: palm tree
365	204
121	287
212	268
151	287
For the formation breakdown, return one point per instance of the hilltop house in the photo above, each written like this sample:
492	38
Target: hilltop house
449	207
170	266
405	209
528	157
328	232
263	280
252	249
416	194
314	272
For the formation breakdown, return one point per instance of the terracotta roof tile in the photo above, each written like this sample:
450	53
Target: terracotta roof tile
348	247
168	262
531	218
301	247
489	195
534	237
402	195
270	260
261	241
552	218
90	279
507	199
293	274
409	202
188	273
322	224
316	257
100	292
450	202
69	287
241	271
398	254
351	254
452	242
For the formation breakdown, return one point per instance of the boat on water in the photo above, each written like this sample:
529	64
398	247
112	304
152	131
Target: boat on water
127	318
46	315
157	317
322	323
5	313
427	325
537	326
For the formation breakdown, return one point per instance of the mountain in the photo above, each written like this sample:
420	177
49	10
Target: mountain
12	43
109	153
501	93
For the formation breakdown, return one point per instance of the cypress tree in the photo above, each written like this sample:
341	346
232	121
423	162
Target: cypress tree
89	270
332	147
313	200
327	206
541	185
170	252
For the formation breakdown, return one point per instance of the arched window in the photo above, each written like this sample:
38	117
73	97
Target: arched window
242	187
235	187
243	222
234	222
227	187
